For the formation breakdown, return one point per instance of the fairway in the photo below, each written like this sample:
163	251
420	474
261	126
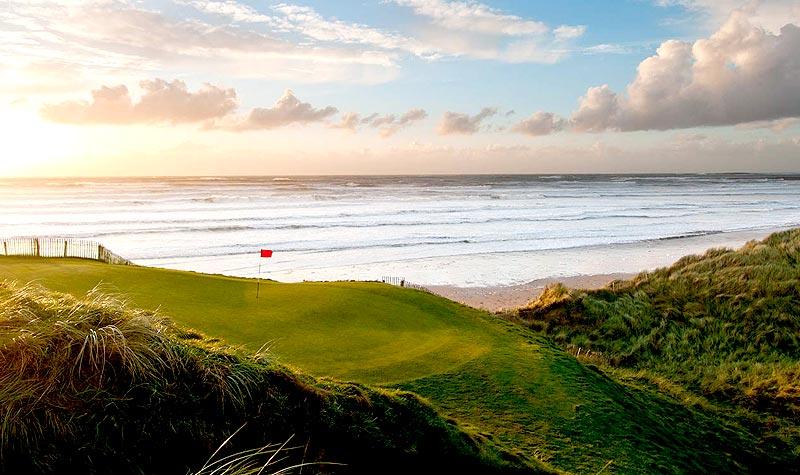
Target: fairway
497	378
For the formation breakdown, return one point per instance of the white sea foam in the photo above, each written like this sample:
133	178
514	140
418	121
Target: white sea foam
468	230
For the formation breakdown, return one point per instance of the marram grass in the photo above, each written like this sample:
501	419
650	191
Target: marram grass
724	325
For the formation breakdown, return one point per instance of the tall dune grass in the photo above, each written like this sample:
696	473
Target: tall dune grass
724	325
58	353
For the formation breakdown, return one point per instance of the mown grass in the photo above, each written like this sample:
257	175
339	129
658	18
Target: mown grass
366	332
724	326
94	386
499	380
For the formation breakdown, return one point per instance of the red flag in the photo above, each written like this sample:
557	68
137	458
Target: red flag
266	253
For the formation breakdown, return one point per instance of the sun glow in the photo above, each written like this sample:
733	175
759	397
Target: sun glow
32	146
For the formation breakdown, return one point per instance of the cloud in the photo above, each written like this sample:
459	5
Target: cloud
41	78
540	123
460	123
683	138
474	16
287	110
771	15
349	122
665	155
451	29
479	31
567	32
116	35
161	101
605	48
778	126
236	11
598	110
306	20
387	125
742	73
475	30
113	40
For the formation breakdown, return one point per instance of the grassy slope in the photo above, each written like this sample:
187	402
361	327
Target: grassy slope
498	378
724	325
92	386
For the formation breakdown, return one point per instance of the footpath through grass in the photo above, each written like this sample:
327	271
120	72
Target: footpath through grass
495	377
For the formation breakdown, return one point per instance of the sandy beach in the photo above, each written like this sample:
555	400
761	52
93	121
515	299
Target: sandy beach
502	297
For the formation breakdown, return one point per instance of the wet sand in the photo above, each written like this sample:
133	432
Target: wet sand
501	297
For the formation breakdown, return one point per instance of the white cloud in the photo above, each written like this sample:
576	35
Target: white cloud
306	20
598	110
742	73
231	9
769	14
115	35
568	32
605	48
162	101
453	29
475	17
465	124
475	30
287	110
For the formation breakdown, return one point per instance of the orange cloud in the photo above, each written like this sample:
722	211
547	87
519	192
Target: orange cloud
162	101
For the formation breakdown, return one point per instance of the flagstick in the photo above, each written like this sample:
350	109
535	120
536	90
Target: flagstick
258	285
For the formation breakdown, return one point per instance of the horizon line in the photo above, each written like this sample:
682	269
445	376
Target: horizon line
419	175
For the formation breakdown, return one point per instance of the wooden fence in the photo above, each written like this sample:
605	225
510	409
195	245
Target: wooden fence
402	282
59	247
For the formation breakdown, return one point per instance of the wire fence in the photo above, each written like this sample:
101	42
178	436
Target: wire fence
59	247
402	282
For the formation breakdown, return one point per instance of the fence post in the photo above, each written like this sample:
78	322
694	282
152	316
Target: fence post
80	248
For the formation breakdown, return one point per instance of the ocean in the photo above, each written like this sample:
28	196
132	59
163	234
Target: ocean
444	230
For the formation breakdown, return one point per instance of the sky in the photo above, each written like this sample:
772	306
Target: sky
255	87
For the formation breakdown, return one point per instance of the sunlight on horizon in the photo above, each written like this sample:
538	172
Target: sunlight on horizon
35	147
